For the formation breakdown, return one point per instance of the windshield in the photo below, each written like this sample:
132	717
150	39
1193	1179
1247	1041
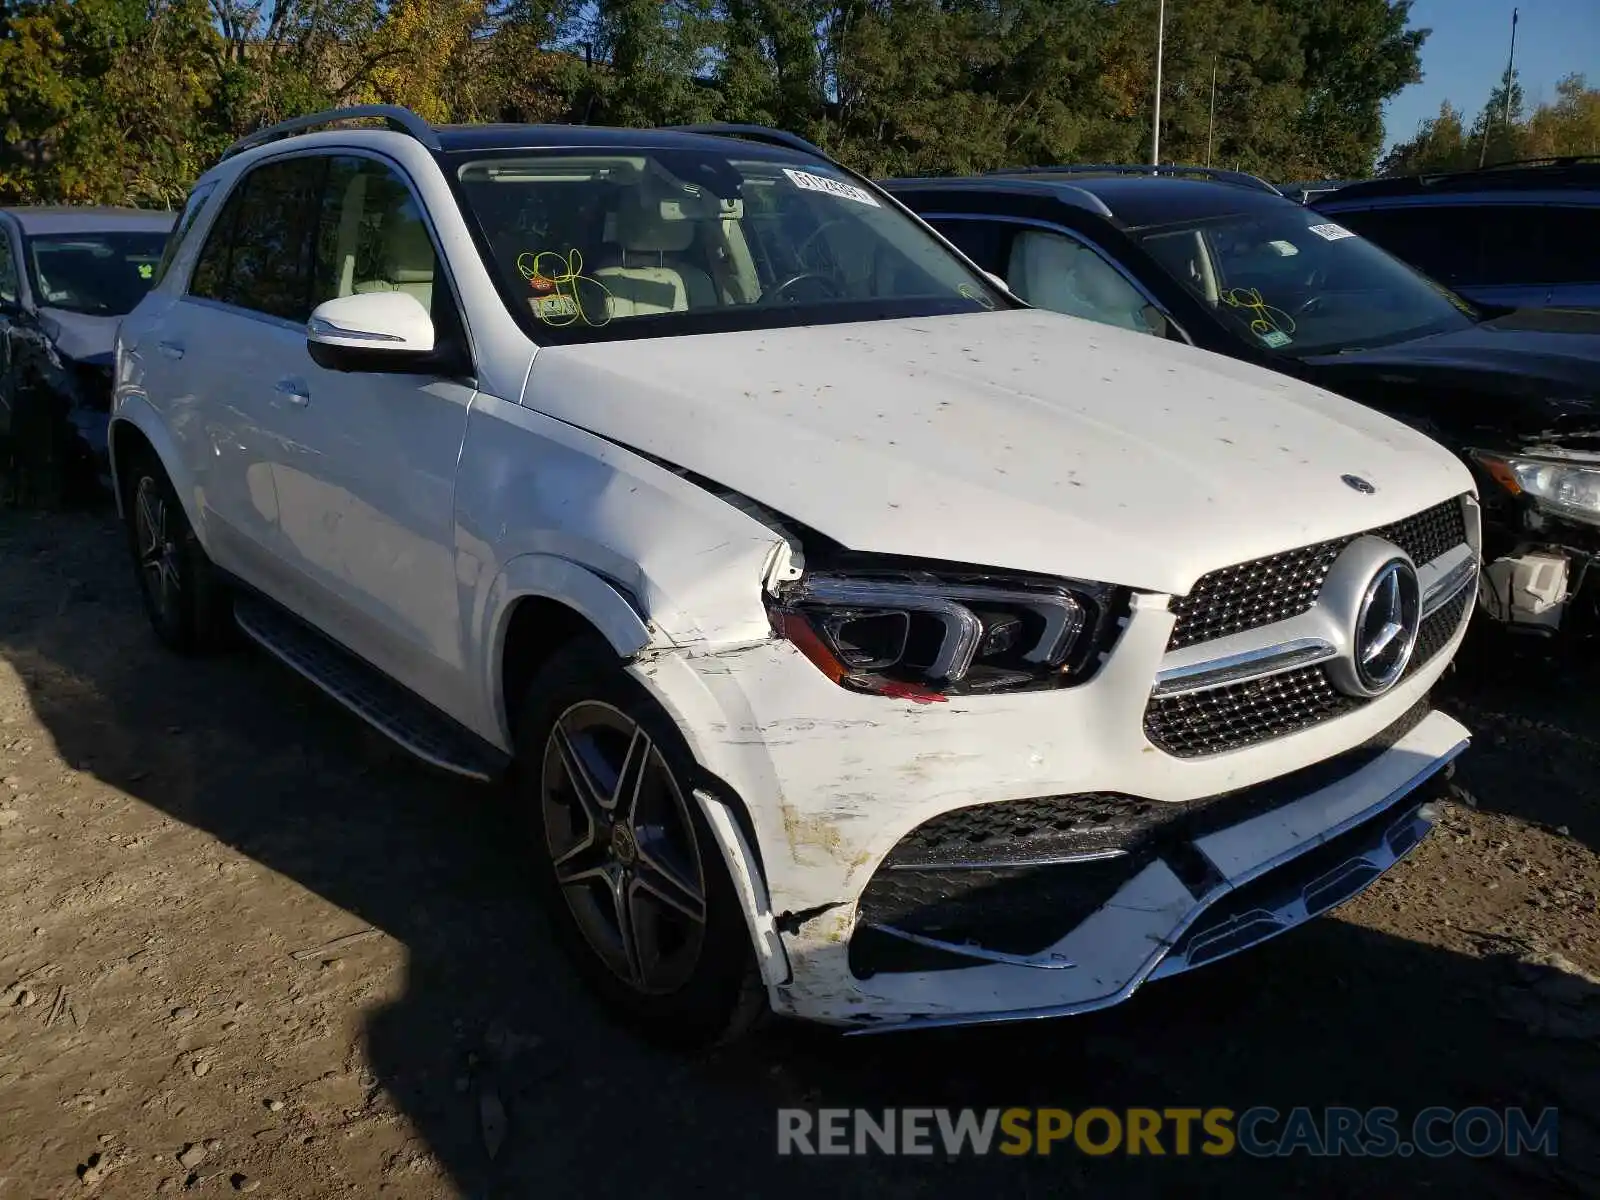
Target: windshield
1299	285
657	242
104	274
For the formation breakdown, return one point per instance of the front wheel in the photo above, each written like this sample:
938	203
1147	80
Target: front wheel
636	886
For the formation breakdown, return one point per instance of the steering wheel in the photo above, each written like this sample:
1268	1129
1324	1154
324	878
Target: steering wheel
1306	306
828	285
805	244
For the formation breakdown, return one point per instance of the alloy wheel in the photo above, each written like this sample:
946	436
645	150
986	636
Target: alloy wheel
623	846
157	548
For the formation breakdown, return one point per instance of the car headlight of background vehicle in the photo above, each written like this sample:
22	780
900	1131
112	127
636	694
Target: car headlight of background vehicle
925	636
1566	488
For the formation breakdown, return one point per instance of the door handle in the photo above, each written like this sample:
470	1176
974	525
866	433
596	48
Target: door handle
294	391
173	350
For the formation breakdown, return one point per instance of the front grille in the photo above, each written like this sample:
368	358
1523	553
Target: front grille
1256	593
1242	714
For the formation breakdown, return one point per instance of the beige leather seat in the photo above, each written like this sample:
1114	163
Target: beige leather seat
408	261
646	283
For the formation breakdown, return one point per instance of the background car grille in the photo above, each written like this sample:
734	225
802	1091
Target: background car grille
1256	593
1242	714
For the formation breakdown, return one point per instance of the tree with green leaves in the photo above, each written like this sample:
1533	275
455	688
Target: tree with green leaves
126	100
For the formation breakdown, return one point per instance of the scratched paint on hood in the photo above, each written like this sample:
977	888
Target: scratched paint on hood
1023	440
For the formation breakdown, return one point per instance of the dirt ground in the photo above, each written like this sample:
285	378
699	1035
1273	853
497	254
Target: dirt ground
246	946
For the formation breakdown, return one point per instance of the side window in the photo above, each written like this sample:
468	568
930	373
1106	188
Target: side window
191	210
209	279
8	269
1513	246
984	242
370	235
1440	241
1055	272
1572	241
269	270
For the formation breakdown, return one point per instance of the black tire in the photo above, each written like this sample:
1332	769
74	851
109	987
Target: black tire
711	996
188	604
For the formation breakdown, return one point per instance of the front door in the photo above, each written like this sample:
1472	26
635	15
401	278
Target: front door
364	462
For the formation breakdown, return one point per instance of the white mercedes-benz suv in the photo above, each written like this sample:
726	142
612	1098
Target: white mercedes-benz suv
859	643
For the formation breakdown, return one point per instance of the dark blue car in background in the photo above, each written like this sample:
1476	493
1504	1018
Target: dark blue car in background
1519	235
67	278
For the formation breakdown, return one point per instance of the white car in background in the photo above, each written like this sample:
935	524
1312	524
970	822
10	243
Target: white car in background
862	644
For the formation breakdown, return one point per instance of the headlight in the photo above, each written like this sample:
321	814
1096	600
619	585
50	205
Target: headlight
925	637
1568	489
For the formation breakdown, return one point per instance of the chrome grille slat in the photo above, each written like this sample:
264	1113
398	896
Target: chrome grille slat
1247	596
1256	593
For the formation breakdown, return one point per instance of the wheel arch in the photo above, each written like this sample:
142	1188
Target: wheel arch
135	428
540	602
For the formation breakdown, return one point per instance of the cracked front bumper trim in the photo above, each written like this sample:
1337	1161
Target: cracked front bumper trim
1210	930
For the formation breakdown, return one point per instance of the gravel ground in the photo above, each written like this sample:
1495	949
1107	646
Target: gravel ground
247	946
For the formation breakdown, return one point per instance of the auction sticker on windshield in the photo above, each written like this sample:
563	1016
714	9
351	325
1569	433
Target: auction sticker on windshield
1331	233
833	187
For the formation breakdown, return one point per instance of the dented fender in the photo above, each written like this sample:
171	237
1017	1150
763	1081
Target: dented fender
653	561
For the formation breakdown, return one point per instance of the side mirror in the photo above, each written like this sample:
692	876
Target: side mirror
371	331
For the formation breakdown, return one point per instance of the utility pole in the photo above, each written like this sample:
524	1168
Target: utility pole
1488	119
1511	66
1155	130
1211	124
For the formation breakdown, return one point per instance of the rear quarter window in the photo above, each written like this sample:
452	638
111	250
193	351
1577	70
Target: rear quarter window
192	207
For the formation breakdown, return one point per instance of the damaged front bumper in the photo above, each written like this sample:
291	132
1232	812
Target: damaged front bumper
1219	893
844	819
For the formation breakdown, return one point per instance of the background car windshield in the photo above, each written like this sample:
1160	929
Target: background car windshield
103	274
659	242
1299	285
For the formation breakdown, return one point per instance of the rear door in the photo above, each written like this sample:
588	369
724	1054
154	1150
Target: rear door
220	355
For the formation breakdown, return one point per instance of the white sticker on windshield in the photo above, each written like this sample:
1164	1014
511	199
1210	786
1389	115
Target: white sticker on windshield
1331	233
833	187
1285	249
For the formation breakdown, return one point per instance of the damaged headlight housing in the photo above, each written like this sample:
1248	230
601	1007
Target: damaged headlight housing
925	636
1567	489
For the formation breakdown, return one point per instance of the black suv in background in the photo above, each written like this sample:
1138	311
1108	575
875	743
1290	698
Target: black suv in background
1512	236
1224	261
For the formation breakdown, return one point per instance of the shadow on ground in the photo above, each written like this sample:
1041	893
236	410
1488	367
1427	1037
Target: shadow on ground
1334	1015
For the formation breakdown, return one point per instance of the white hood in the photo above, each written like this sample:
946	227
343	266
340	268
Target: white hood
1020	440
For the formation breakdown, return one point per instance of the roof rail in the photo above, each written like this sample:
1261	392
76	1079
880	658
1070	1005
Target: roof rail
1507	174
1550	160
401	120
756	133
1241	178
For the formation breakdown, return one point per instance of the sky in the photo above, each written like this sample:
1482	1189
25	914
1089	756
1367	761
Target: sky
1465	55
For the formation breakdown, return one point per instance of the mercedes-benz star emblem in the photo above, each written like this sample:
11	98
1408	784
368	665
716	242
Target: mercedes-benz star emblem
1386	626
1360	484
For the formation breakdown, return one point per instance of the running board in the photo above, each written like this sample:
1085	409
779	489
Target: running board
374	697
